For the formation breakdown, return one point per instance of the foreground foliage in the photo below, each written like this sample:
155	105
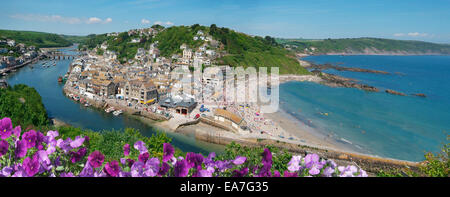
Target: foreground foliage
435	165
23	105
32	153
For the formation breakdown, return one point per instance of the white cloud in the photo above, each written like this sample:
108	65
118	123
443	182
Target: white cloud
168	23
47	18
108	20
417	34
145	21
411	34
59	19
93	20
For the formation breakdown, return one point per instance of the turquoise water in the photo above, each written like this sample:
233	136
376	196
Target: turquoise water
44	80
400	127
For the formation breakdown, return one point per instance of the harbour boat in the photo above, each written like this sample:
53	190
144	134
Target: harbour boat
109	110
60	79
118	112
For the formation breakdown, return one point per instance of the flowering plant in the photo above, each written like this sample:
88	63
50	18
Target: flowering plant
35	154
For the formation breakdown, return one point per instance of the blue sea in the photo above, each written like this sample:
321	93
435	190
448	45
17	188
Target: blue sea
377	123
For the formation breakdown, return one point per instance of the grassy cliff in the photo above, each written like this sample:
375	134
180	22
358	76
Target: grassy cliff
366	46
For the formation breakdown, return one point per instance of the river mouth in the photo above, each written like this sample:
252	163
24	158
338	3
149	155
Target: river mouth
45	81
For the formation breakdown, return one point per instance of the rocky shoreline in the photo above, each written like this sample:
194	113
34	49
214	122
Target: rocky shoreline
339	81
342	68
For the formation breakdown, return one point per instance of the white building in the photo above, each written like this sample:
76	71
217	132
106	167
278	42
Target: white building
187	54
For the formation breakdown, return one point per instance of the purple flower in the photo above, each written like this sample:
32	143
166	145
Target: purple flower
240	173
315	168
6	172
265	170
64	174
5	128
96	159
77	156
130	162
123	161
112	168
362	173
51	147
276	174
100	174
124	174
144	157
332	163
294	164
137	169
43	157
328	172
21	148
4	146
223	165
87	171
64	144
168	152
30	138
151	167
44	161
16	132
52	135
209	161
348	171
194	160
40	138
290	174
181	168
31	166
205	173
267	157
239	160
163	169
311	159
126	149
140	145
58	161
77	142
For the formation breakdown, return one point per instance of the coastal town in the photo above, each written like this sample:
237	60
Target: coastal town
144	86
14	55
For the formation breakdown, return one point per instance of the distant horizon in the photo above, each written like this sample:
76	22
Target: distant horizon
299	38
401	20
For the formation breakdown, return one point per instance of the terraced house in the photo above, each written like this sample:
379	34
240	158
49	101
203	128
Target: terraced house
103	87
139	91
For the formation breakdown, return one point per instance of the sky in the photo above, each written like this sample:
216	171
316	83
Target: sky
313	19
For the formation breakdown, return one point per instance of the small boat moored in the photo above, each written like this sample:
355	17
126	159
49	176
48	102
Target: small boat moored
118	112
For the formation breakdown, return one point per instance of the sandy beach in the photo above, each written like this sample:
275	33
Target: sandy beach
306	135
